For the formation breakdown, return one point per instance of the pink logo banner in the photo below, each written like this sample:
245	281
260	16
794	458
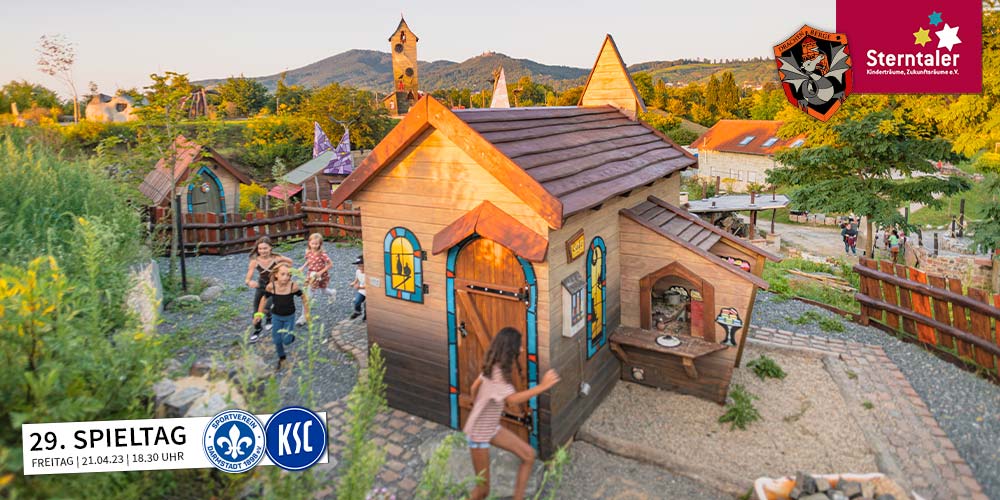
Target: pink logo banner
914	46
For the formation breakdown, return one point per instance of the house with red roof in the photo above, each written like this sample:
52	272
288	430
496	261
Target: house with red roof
741	150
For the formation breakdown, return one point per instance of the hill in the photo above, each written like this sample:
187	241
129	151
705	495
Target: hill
753	72
372	70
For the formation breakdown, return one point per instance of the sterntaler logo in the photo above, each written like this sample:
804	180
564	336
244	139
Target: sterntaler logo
918	46
815	71
234	441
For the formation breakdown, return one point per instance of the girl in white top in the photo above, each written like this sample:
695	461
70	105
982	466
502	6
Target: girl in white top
360	294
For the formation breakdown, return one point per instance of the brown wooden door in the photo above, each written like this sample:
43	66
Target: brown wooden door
488	283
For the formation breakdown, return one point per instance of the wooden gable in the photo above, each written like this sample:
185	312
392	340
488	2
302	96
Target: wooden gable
610	84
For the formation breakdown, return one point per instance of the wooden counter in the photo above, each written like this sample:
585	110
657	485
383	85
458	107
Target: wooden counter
674	368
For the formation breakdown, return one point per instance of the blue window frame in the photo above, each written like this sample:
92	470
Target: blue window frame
404	276
597	281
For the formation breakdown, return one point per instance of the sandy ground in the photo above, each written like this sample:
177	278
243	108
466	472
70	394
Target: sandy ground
805	426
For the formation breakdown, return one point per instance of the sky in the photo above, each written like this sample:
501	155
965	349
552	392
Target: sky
119	43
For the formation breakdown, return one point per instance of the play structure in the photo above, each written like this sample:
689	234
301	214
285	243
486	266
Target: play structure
206	180
562	222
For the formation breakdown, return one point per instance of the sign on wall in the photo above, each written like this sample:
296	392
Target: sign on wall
575	246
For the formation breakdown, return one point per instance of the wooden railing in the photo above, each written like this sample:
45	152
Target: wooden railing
210	233
932	310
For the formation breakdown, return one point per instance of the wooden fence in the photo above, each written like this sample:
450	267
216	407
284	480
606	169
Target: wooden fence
932	310
210	233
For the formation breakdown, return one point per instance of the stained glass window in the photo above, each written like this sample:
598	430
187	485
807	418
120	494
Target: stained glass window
597	271
403	265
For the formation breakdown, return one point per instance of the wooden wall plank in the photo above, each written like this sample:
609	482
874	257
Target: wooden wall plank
960	318
922	305
891	294
941	311
981	328
906	301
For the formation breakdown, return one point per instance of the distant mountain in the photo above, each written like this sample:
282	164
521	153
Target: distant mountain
372	70
753	72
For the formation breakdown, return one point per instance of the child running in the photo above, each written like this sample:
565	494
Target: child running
317	266
360	292
317	270
282	291
490	392
263	261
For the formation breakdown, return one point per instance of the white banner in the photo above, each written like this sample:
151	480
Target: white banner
158	444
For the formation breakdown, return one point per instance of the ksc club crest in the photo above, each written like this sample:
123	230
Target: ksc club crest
234	441
815	71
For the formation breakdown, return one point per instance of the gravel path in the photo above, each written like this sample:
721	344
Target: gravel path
966	407
217	328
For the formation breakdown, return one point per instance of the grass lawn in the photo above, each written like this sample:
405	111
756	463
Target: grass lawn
977	200
777	275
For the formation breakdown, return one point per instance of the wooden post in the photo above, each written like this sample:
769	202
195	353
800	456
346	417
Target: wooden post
753	225
935	244
906	214
961	217
774	212
180	241
718	184
952	226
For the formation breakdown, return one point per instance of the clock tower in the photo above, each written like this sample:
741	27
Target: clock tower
403	47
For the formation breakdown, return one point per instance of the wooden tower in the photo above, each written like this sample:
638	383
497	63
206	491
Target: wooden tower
610	84
403	46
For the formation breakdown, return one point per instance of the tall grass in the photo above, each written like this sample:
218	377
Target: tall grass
70	349
777	276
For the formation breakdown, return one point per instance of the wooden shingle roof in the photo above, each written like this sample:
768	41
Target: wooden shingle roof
558	160
159	184
692	232
581	155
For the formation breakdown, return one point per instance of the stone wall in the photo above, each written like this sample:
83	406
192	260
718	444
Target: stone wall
973	271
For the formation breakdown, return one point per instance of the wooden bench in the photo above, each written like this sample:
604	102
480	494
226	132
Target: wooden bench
637	349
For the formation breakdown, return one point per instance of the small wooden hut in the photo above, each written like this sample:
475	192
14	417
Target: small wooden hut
206	180
554	220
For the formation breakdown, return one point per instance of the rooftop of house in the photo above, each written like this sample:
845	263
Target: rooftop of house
755	137
560	160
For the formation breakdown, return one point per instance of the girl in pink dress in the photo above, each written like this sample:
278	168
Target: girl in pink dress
317	266
491	392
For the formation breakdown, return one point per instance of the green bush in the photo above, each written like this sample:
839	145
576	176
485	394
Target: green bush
766	367
828	324
362	458
739	409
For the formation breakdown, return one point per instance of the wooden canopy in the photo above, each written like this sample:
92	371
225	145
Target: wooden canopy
558	160
490	222
693	233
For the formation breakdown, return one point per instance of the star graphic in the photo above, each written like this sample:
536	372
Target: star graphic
948	37
922	36
935	18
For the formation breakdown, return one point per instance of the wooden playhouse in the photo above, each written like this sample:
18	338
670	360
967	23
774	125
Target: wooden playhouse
206	180
560	221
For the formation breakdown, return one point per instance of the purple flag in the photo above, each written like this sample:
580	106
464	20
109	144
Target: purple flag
320	141
342	163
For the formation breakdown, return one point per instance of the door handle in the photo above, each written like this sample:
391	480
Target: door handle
462	330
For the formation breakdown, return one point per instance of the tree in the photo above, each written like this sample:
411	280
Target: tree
165	96
56	56
644	84
867	169
570	96
288	98
243	95
765	104
26	96
335	106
